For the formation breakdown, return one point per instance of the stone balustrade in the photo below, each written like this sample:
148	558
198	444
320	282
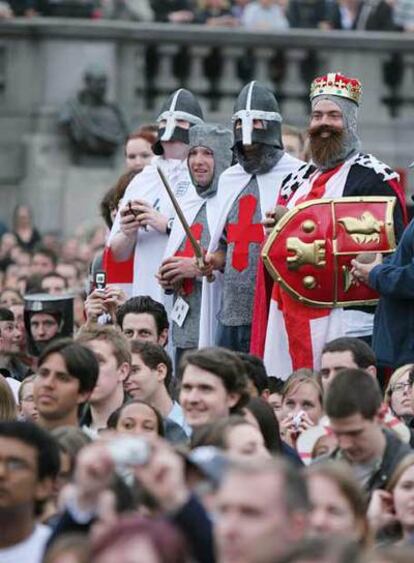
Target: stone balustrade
42	62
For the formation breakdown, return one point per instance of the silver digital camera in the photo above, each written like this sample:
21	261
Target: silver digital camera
129	451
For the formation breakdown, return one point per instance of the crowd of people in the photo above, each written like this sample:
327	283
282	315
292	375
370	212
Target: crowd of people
385	15
163	400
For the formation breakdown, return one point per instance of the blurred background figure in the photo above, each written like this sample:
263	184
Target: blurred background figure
23	228
174	11
138	150
265	15
390	512
361	14
26	406
338	504
8	406
293	141
399	396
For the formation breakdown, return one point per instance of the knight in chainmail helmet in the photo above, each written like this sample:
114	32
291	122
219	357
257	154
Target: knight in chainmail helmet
209	155
247	190
218	140
146	214
181	106
257	129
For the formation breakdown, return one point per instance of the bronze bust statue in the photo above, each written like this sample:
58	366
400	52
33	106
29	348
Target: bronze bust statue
93	125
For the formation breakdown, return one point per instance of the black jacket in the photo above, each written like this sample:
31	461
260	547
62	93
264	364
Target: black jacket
395	451
163	8
372	15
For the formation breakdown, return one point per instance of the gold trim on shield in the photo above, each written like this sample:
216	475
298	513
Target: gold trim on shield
366	227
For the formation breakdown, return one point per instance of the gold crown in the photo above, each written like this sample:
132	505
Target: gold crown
336	84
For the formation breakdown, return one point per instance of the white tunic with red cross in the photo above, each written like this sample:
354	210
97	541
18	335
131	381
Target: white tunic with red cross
238	215
198	214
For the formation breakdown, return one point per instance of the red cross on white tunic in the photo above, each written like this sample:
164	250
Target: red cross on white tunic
188	252
244	232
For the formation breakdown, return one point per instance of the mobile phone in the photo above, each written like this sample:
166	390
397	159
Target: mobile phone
131	210
100	280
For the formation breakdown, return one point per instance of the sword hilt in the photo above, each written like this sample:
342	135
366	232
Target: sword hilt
200	264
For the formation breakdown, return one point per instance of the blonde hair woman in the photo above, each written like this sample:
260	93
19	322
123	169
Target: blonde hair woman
302	404
8	407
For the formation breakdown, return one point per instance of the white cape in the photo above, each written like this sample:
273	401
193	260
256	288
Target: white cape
151	244
231	183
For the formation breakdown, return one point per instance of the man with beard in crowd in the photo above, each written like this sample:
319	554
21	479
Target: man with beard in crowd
245	192
338	169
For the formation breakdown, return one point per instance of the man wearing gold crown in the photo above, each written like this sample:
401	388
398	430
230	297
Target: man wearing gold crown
295	332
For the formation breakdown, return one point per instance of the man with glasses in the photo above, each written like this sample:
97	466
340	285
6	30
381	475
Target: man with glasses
29	463
398	392
400	397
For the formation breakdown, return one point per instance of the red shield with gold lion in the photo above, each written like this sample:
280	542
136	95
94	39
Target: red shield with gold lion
310	250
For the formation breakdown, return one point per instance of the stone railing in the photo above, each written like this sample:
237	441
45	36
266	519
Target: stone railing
42	61
146	61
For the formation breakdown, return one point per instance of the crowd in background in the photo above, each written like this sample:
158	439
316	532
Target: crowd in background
223	472
112	450
384	15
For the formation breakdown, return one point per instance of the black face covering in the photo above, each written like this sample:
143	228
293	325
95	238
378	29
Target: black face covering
257	102
179	134
180	105
271	135
263	160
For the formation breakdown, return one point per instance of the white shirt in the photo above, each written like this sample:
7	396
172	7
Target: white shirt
256	16
29	550
176	414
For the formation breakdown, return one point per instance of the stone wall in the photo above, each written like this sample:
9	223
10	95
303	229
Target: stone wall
42	62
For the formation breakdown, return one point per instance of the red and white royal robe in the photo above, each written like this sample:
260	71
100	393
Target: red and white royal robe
288	334
151	244
231	183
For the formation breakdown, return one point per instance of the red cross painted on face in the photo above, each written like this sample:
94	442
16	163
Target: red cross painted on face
244	232
188	252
